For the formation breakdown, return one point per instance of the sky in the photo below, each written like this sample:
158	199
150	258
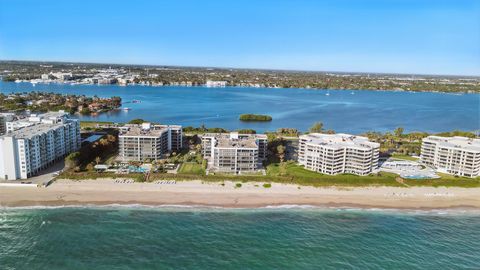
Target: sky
390	36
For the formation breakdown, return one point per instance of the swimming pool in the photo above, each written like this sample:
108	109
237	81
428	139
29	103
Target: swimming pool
418	176
135	169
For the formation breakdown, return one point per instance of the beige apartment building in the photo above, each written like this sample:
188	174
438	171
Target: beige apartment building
149	142
338	153
452	155
233	152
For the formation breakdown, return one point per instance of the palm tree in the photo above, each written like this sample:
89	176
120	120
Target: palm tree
281	152
317	127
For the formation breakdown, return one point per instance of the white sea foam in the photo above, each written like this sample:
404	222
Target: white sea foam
289	207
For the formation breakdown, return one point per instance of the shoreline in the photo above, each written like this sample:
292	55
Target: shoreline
195	194
265	87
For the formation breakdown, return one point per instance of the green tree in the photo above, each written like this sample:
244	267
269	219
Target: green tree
72	160
316	127
137	121
271	137
398	132
85	110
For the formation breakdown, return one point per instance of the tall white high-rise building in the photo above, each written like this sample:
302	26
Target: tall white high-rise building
338	153
31	145
452	155
233	152
149	142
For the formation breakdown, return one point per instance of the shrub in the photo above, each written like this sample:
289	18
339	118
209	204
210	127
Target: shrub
137	121
255	117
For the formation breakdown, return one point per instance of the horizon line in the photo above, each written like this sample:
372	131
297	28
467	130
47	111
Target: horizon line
241	68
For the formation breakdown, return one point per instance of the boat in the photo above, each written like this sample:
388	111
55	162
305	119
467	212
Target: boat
126	109
136	101
327	94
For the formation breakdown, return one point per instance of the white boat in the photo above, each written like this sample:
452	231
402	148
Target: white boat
126	109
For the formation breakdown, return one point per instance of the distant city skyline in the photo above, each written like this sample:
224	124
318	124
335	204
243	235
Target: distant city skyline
402	36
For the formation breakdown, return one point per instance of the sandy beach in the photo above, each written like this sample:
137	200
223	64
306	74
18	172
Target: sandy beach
107	191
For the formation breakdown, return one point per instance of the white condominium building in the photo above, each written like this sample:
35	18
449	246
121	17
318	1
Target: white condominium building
149	142
210	83
452	155
4	119
338	153
233	152
36	143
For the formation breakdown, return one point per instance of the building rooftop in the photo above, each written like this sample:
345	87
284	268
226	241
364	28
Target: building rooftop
237	143
138	131
456	142
235	140
340	140
234	134
31	131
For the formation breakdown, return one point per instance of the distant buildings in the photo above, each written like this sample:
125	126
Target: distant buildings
233	152
148	142
31	145
216	83
338	153
61	76
452	155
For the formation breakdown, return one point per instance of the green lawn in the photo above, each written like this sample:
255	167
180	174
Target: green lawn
294	174
297	174
191	168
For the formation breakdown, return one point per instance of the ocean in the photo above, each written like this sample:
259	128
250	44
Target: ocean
137	237
342	110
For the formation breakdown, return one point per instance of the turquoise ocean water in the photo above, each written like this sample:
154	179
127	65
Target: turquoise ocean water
196	238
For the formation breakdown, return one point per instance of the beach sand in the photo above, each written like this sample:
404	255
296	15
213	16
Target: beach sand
106	191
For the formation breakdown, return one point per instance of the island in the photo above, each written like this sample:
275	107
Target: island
255	117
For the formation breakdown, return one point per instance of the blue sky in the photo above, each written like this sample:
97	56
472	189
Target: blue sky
404	36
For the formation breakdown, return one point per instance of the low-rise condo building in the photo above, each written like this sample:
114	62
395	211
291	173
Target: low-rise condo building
149	142
33	144
233	152
452	155
338	153
210	83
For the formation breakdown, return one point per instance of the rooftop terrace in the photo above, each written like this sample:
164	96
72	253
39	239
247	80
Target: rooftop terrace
32	130
456	142
339	140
